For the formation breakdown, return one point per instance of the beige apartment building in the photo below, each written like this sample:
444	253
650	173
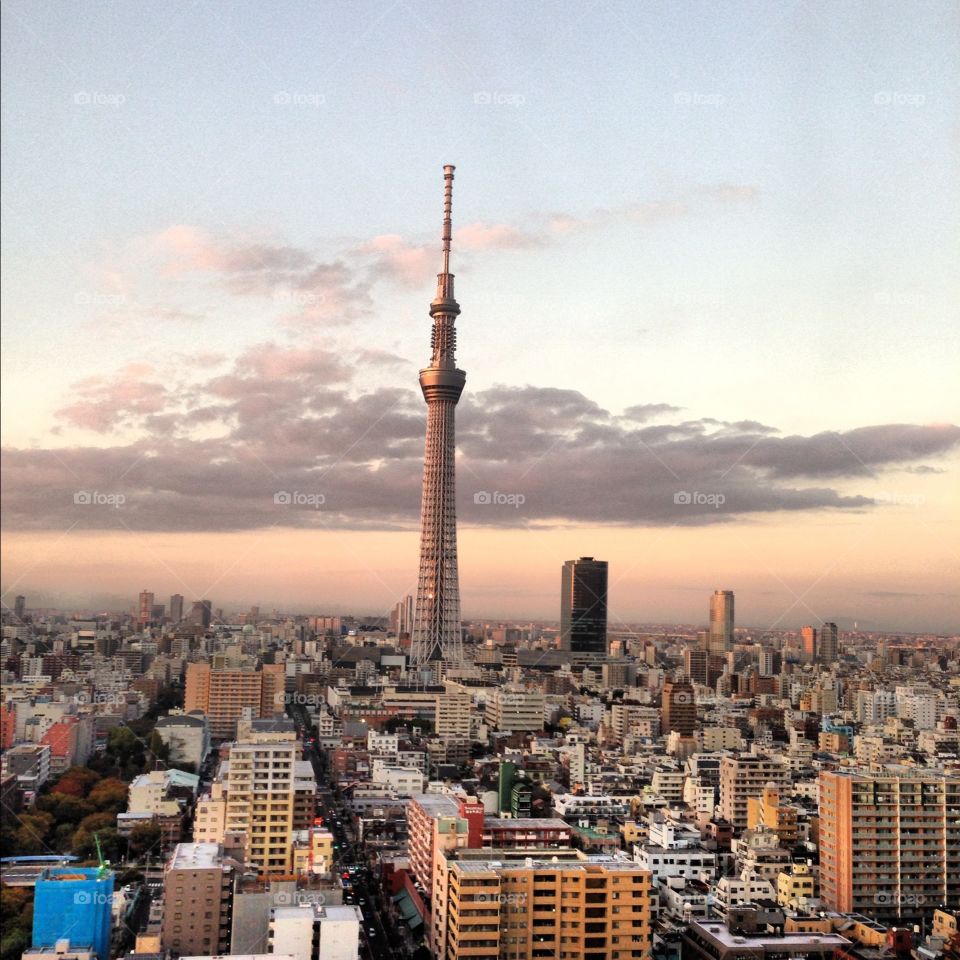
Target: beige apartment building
745	776
264	795
515	709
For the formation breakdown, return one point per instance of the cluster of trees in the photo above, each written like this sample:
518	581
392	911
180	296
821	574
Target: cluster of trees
16	921
127	754
79	804
86	800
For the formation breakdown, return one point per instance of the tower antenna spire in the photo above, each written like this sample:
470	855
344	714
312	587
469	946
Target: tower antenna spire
447	214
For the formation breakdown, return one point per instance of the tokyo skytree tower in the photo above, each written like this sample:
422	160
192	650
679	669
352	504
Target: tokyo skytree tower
436	626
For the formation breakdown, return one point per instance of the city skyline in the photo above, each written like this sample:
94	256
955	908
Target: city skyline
680	360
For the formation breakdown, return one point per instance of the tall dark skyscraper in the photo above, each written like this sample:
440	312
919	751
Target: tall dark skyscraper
583	606
20	607
829	645
201	615
437	635
176	607
720	637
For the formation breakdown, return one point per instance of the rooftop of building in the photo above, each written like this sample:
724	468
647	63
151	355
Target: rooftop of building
437	804
192	719
581	863
273	725
230	956
320	911
73	875
196	856
525	823
719	932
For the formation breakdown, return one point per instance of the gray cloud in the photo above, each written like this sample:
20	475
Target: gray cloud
212	454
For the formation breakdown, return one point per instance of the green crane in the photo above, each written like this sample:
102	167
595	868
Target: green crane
104	864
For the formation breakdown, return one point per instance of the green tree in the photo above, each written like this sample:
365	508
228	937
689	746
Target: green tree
77	781
34	833
14	941
144	838
65	807
62	835
84	844
98	821
159	752
110	796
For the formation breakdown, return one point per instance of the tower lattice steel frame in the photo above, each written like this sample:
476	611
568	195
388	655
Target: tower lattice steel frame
436	627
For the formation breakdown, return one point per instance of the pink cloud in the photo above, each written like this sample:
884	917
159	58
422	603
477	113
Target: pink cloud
484	236
396	259
107	403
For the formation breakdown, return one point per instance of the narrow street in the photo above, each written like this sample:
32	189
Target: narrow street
376	939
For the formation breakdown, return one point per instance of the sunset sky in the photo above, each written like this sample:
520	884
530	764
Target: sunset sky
704	253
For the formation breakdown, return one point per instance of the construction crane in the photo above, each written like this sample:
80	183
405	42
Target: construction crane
104	864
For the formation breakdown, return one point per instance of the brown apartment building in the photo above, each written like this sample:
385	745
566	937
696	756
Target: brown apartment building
890	841
561	907
197	894
225	694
